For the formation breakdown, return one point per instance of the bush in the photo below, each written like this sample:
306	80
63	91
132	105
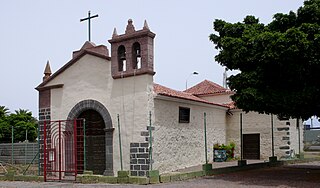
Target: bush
229	149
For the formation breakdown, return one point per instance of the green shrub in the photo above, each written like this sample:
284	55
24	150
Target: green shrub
229	149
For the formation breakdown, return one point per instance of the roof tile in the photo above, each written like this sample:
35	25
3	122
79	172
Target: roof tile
207	87
161	90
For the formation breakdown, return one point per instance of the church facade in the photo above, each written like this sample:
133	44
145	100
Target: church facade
134	124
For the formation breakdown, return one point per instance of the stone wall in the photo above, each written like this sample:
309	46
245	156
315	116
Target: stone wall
180	145
144	38
44	115
285	133
139	159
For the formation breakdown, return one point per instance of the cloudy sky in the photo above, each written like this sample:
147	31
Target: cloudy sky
33	32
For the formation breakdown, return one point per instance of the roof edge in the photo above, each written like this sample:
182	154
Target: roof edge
71	62
165	91
49	87
164	97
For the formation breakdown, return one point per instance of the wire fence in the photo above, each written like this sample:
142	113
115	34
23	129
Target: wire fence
19	153
312	139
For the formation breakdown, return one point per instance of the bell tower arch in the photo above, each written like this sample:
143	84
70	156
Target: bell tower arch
132	52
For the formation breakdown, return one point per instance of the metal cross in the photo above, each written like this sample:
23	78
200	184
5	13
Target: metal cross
89	18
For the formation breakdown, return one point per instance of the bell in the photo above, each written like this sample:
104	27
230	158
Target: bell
122	57
138	53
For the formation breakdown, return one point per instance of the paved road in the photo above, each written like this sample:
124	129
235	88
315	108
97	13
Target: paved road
299	175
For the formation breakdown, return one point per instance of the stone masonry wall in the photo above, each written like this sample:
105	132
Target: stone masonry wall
287	137
140	156
180	145
44	115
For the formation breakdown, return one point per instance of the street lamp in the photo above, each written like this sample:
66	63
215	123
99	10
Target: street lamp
194	73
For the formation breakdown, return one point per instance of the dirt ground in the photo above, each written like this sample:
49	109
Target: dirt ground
19	169
296	175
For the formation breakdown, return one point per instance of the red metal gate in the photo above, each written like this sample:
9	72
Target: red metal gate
63	145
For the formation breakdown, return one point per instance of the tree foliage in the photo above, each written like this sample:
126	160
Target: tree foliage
3	111
279	63
22	122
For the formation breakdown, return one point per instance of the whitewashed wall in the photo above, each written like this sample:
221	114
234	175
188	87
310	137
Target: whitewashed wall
90	78
285	133
179	145
218	98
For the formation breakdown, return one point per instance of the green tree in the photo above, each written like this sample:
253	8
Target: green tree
279	63
3	111
23	124
5	131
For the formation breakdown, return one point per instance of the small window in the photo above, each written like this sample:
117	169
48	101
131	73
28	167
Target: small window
51	155
184	115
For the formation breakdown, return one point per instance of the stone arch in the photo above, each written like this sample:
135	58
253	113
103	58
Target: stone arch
91	105
136	56
102	110
122	58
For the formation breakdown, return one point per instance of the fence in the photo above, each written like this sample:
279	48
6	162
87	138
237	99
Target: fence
19	153
312	139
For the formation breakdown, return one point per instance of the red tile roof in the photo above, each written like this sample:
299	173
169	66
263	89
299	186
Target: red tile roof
207	87
161	90
231	105
93	48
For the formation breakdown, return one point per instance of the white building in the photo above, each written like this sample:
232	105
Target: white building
108	90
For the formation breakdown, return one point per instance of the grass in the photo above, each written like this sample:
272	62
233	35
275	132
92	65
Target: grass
312	155
19	169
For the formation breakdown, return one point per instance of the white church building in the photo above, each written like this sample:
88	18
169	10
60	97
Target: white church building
116	95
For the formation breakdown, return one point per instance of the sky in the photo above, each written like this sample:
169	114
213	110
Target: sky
35	31
313	122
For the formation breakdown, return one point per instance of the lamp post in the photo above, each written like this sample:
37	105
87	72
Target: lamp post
194	73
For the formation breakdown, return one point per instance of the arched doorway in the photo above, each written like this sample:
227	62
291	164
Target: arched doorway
95	141
98	125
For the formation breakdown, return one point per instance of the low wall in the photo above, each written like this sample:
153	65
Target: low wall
23	153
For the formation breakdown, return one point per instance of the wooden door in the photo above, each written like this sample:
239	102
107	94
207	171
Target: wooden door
251	146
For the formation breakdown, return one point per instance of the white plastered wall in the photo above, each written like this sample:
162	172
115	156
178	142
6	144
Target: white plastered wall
253	122
218	98
299	133
179	145
90	78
